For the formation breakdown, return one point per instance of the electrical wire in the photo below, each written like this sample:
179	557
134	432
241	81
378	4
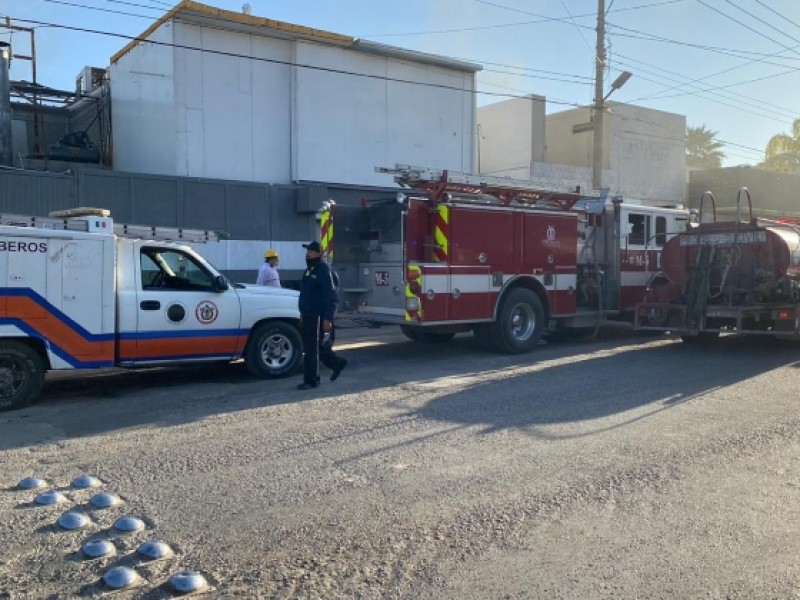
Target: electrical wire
727	16
788	112
97	8
784	17
270	60
571	18
762	21
161	8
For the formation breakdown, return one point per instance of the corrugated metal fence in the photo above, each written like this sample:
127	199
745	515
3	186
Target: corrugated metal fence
254	214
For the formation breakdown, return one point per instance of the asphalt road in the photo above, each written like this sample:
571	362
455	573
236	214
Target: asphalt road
620	467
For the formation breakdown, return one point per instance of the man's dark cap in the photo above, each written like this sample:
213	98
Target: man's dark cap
313	246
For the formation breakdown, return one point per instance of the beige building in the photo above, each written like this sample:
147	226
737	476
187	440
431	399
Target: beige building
644	155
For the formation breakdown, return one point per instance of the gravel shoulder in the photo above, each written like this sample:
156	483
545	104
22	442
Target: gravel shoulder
616	468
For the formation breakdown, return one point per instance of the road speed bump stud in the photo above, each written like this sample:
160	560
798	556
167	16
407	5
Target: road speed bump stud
120	578
73	520
49	497
86	481
98	549
188	581
155	550
32	483
104	500
129	524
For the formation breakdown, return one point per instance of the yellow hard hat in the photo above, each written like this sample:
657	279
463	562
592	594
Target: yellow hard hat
271	253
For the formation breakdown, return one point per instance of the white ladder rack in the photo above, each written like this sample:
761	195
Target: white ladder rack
412	176
98	221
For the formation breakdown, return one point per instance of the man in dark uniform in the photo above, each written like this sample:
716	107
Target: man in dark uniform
317	305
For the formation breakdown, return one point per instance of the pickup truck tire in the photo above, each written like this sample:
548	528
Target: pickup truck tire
520	323
21	375
274	350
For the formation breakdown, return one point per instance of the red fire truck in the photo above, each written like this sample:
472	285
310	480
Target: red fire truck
506	259
736	276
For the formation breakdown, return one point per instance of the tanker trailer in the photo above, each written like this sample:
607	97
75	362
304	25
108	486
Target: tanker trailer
730	276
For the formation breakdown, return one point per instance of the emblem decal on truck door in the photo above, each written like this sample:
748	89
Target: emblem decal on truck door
206	312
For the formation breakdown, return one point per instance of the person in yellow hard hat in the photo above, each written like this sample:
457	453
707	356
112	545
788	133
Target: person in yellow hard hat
268	273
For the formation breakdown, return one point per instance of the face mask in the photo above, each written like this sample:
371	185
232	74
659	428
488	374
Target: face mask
313	262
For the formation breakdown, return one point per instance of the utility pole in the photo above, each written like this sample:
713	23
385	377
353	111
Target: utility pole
599	106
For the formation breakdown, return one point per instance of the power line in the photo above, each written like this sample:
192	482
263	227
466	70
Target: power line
784	17
97	8
659	71
733	52
716	10
543	77
566	8
163	4
268	60
762	21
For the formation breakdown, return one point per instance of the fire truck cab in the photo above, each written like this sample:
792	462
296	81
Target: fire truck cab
508	260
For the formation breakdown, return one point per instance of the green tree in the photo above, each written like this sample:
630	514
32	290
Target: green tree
703	151
783	151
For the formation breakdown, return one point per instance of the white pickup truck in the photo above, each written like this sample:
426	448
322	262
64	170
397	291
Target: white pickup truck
79	292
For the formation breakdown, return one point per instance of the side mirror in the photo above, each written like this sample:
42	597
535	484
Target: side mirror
219	284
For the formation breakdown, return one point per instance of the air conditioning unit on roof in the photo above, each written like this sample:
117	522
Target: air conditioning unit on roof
88	80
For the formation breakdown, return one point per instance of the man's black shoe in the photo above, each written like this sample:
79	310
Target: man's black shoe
337	372
307	386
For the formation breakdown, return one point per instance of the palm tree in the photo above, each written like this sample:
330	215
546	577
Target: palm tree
703	151
783	151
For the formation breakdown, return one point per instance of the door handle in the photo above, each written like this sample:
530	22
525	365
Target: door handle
150	305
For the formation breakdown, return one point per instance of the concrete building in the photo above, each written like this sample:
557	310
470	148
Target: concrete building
773	195
644	149
228	95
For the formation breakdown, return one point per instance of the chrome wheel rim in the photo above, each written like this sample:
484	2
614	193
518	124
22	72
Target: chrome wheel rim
523	322
276	351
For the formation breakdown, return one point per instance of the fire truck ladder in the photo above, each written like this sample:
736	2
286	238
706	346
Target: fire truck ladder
97	220
697	287
536	192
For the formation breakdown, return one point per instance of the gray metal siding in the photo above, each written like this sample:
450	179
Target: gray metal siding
35	193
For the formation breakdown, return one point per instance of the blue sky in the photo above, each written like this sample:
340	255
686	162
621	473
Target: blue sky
731	65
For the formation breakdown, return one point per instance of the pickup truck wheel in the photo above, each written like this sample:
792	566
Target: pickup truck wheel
520	323
21	375
274	350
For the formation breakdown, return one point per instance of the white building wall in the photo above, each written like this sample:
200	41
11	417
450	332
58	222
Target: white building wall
204	114
347	125
143	107
233	114
511	137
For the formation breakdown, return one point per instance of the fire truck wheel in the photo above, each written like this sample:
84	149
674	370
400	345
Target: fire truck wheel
21	375
704	337
410	332
520	323
274	350
428	337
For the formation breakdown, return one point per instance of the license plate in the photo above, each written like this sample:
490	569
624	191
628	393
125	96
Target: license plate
381	277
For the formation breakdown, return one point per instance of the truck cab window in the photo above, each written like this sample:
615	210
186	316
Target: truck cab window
637	233
167	269
661	231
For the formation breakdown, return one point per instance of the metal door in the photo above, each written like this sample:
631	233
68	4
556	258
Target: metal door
180	317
